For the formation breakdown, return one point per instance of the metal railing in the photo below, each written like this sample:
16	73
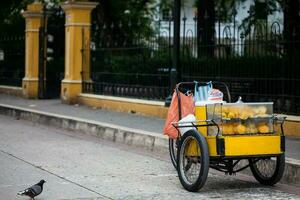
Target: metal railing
257	62
12	60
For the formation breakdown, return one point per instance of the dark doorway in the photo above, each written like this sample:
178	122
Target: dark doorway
52	48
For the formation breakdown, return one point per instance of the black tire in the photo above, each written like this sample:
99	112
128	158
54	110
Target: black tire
275	169
173	151
184	169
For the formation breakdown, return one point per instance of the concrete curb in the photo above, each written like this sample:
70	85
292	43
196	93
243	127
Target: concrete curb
119	134
139	138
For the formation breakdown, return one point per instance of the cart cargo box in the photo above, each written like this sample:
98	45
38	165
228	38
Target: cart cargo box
242	129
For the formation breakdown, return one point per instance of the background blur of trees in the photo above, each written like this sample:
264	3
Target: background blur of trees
209	9
11	22
115	12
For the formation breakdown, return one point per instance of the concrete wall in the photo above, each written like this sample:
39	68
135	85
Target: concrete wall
16	91
143	107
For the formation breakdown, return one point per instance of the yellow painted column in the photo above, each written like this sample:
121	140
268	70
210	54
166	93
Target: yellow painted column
77	44
33	17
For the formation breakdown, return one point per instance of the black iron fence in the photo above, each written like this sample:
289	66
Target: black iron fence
150	86
55	37
132	67
12	60
257	62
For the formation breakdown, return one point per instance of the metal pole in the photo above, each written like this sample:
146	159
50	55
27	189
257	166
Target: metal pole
42	54
176	49
175	71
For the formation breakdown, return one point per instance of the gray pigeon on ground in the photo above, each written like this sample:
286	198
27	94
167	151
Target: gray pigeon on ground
34	190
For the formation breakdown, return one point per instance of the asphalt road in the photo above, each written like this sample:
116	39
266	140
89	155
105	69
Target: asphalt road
78	166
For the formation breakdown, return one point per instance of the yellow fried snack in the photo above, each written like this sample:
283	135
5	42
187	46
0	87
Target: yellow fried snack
224	115
246	112
231	115
240	129
263	128
225	112
225	109
251	128
233	112
228	129
261	110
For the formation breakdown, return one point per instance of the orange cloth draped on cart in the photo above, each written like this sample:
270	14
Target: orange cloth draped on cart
187	107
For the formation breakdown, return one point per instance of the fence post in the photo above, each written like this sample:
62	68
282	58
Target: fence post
33	16
77	45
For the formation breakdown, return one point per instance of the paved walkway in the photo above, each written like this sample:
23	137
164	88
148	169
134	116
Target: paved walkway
151	124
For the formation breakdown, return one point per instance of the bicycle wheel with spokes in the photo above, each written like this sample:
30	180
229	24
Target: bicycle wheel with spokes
173	151
193	161
268	171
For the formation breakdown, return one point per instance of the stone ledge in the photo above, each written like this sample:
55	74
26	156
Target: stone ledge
123	99
11	90
142	107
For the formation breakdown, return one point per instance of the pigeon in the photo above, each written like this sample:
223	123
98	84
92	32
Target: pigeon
34	190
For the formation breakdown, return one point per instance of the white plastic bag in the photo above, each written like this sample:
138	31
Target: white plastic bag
215	95
187	121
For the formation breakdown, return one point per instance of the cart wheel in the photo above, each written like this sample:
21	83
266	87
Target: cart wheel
192	167
268	171
173	151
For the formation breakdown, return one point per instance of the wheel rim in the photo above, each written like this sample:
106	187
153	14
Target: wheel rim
190	166
265	167
174	149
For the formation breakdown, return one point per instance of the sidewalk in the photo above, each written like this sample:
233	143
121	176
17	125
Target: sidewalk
55	106
129	120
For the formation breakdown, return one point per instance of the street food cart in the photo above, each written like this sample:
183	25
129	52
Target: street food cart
222	135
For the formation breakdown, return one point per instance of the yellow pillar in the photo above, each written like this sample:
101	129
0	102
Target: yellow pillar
33	17
77	39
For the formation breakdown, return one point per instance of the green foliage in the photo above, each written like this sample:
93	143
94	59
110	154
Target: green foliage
139	61
11	20
123	19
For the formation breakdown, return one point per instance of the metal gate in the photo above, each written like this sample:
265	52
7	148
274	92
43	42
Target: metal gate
51	55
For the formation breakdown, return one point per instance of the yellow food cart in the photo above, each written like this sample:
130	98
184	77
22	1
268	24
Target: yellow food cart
223	135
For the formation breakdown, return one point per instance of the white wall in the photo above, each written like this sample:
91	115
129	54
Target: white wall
188	11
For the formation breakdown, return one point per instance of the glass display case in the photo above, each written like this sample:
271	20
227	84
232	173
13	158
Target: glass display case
241	118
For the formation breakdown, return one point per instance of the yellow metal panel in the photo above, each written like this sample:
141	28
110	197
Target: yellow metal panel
193	148
246	145
200	113
212	146
252	145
